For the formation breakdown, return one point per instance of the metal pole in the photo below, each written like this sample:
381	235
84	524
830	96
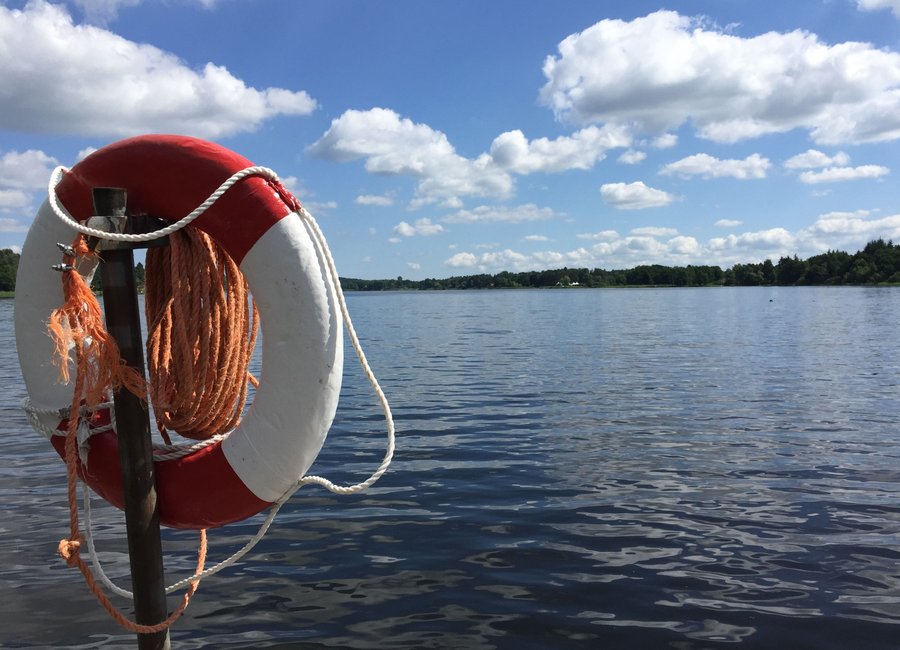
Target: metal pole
133	425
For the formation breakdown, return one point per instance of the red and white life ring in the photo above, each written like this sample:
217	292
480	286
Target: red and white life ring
295	403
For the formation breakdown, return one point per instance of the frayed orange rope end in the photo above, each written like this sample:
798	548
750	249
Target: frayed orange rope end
69	548
79	323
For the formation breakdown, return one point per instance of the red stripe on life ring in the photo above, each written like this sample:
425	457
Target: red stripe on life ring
168	176
196	491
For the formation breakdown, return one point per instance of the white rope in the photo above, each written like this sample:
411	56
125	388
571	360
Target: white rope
89	538
64	215
160	451
180	450
367	370
171	452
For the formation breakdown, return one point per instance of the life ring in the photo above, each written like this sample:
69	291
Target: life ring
302	336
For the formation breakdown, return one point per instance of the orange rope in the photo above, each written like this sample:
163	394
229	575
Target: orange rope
201	336
202	328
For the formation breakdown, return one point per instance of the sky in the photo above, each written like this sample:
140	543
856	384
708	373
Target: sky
452	137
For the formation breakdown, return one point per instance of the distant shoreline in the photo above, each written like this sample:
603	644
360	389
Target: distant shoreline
877	264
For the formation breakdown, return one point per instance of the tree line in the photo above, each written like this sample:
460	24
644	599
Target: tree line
877	263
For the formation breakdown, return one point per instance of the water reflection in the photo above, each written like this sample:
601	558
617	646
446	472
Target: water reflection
648	468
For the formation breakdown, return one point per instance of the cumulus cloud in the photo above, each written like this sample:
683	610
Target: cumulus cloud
812	159
422	227
10	225
632	157
848	231
377	200
706	166
654	231
728	223
840	174
581	150
461	260
536	238
662	70
101	12
771	240
13	200
503	214
851	230
665	141
391	144
395	145
603	235
26	170
875	5
634	196
84	80
20	174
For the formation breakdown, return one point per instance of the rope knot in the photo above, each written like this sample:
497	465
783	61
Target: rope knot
285	195
69	549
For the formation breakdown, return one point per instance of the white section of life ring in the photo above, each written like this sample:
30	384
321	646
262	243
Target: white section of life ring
39	292
302	358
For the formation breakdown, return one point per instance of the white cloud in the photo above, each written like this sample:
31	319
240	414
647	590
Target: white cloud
727	223
415	266
665	141
848	231
512	150
14	200
28	170
634	196
632	157
391	144
654	231
812	159
394	145
84	80
772	241
706	166
875	5
422	227
10	225
603	235
840	174
662	70
502	213
857	225
101	12
462	260
84	153
316	207
372	199
536	238
684	245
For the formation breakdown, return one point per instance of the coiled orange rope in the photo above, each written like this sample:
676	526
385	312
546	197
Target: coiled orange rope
200	338
202	327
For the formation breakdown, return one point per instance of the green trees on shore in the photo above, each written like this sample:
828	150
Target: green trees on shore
877	263
9	264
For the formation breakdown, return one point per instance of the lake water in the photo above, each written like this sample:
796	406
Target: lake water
672	468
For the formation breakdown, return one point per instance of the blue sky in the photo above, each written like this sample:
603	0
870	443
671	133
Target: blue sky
452	137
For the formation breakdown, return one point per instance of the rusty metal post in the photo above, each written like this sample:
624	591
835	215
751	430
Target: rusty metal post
133	425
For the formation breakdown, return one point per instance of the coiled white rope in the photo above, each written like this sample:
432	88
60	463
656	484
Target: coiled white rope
180	450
